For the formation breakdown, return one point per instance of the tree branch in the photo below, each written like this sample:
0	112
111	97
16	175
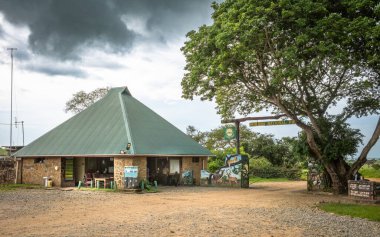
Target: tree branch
363	155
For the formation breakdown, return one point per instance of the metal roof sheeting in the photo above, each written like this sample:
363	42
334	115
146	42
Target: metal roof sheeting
107	126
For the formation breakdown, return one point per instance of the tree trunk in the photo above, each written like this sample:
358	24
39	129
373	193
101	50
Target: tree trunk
338	170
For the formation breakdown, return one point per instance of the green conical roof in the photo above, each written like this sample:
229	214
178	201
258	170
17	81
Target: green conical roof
107	126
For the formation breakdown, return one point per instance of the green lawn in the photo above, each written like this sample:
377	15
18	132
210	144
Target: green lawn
370	212
259	180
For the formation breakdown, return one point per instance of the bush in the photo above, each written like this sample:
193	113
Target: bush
370	171
259	163
276	172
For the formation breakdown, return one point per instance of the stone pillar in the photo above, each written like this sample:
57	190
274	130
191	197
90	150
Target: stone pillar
141	162
118	170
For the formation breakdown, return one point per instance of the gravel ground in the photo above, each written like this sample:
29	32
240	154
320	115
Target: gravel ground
266	209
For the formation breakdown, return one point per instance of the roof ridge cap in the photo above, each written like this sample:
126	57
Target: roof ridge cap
125	117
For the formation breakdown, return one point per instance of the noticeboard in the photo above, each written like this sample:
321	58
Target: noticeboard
131	171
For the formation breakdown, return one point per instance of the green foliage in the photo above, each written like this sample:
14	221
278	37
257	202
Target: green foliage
81	100
300	58
260	162
370	212
370	171
280	152
214	163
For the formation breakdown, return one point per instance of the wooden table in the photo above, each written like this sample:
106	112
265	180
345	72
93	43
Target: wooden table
103	179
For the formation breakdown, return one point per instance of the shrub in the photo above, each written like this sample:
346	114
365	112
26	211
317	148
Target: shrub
259	163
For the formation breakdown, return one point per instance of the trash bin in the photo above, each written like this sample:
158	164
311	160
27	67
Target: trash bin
50	183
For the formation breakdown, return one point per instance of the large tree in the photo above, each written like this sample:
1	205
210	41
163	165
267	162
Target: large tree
81	100
317	62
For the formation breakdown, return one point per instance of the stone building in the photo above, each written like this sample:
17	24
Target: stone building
115	132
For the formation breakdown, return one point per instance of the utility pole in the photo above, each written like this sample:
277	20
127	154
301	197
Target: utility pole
10	139
22	127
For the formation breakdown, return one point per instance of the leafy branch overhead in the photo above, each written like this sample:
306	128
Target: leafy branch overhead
81	100
300	58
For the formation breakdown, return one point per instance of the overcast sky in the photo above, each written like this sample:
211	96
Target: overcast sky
67	46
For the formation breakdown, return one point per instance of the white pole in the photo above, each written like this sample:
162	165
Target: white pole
10	139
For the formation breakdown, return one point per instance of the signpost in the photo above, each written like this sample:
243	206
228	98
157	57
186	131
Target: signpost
239	120
229	133
272	123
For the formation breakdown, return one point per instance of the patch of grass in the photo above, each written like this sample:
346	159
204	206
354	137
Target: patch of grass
259	180
8	187
370	212
369	172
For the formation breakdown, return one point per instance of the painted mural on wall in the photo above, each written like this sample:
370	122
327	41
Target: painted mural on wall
187	177
234	173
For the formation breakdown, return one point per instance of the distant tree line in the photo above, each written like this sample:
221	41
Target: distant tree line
263	150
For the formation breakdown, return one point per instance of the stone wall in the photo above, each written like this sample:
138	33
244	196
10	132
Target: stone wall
141	162
7	171
33	173
118	170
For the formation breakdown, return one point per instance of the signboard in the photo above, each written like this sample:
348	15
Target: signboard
229	133
130	176
272	123
131	171
362	189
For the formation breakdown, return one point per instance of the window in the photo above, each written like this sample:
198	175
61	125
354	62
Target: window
39	160
195	159
174	166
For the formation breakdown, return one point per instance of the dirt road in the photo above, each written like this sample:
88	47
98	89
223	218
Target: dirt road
266	209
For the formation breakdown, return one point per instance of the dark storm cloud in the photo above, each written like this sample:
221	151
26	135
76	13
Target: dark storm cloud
65	29
56	70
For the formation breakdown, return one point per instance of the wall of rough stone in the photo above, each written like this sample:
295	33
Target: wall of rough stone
141	162
118	172
33	173
7	171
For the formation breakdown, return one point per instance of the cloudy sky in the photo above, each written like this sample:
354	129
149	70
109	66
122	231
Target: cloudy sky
67	46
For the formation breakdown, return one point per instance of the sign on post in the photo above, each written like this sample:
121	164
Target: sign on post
272	123
229	133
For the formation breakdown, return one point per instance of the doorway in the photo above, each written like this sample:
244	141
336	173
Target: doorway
163	170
